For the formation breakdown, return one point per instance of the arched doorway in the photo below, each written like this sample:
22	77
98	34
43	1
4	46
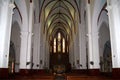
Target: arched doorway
105	49
107	58
16	42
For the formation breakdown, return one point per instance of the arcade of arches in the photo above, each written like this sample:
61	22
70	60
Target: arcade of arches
60	36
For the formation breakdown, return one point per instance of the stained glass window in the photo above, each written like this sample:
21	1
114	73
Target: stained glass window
59	42
54	45
63	45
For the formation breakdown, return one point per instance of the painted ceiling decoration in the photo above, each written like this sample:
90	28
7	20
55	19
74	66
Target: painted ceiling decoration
59	16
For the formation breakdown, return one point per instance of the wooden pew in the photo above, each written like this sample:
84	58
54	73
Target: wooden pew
84	78
76	78
37	77
44	78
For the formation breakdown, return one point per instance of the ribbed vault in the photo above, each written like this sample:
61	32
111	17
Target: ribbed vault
59	15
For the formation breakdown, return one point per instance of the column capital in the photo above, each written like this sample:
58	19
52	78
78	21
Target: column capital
88	34
24	34
95	34
109	7
31	33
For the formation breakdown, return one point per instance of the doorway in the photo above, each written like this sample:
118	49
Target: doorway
105	49
107	58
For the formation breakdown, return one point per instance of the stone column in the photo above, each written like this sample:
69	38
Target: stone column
89	35
113	7
36	46
71	54
30	35
6	11
93	55
76	51
23	50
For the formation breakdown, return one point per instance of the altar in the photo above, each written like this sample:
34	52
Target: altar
59	69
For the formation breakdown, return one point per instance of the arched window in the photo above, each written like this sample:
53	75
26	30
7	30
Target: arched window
63	45
59	36
54	45
59	42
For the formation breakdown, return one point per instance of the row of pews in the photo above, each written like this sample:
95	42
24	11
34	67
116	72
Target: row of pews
34	77
66	77
73	78
87	78
43	78
41	75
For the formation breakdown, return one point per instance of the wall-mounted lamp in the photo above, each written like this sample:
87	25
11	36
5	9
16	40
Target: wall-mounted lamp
91	62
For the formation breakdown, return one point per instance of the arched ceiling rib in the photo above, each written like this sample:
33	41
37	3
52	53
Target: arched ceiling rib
58	25
59	15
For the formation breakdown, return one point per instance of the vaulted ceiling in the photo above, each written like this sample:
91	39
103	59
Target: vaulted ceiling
60	16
